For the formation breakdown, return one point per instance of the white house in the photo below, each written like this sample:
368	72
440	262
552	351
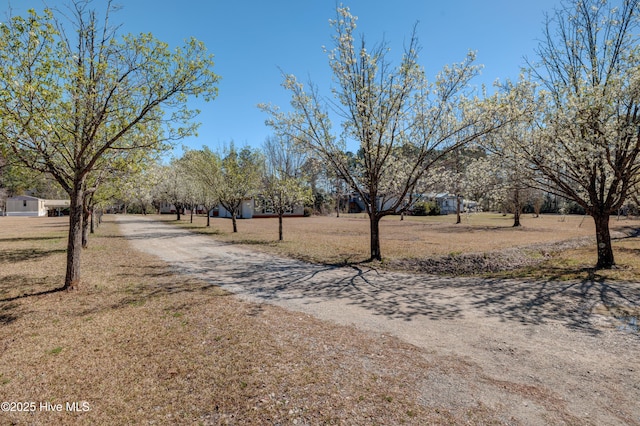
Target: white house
445	201
25	205
256	207
167	208
448	203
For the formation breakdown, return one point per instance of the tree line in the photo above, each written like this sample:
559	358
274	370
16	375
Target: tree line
90	108
210	179
569	124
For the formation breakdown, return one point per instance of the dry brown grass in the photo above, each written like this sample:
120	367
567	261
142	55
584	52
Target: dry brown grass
486	242
143	346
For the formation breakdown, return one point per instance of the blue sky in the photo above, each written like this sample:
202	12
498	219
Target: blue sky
253	39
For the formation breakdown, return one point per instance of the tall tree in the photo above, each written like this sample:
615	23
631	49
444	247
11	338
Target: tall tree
453	178
588	145
203	166
137	185
515	178
115	166
401	124
283	187
240	173
174	186
71	91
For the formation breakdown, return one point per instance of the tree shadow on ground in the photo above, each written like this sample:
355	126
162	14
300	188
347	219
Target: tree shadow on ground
285	279
406	296
8	313
14	288
148	282
19	239
400	295
18	286
20	255
571	303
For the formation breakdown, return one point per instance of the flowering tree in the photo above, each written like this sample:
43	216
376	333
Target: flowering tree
203	167
240	173
402	124
137	185
175	186
67	101
482	182
283	186
514	177
588	144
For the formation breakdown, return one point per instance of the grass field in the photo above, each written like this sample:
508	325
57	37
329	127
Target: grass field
141	345
405	243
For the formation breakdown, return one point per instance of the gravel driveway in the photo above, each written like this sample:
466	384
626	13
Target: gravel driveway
536	351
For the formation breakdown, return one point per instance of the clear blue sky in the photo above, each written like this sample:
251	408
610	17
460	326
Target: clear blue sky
253	39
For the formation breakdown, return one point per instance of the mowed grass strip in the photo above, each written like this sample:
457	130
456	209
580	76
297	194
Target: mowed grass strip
405	244
137	344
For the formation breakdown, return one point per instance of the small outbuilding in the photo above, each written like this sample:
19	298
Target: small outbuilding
25	205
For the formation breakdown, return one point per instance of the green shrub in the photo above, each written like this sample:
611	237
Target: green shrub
426	208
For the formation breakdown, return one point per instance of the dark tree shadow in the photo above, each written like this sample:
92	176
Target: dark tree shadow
571	303
406	296
400	295
20	255
39	293
18	239
16	287
7	313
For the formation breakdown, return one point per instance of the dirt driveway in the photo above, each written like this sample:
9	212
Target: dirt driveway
537	351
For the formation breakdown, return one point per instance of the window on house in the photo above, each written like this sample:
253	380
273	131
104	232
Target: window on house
24	203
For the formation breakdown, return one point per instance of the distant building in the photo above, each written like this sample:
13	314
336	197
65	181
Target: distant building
258	207
25	205
167	208
448	203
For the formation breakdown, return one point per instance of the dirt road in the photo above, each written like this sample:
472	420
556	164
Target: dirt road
538	352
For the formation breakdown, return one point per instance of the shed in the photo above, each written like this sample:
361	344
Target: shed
25	205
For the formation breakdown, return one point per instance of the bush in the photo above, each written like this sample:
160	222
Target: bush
426	208
308	211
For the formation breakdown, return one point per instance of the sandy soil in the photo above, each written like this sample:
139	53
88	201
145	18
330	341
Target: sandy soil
538	352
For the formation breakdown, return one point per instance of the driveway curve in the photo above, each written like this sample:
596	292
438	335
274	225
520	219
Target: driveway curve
536	351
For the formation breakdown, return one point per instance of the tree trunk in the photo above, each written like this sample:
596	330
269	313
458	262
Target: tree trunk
280	227
209	217
516	208
85	220
74	244
374	222
603	239
516	217
458	218
233	220
92	229
191	214
85	228
177	212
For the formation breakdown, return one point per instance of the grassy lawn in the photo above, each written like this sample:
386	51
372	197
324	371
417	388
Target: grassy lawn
405	244
141	345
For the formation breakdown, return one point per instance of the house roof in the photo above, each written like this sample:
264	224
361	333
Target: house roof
23	197
47	203
57	203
